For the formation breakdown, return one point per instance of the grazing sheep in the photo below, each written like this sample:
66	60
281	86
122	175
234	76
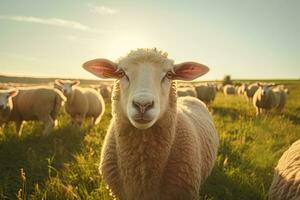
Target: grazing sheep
156	147
250	91
82	102
229	90
186	91
266	98
286	180
37	103
206	93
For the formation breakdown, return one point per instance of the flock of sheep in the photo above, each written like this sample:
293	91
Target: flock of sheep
43	103
264	96
161	142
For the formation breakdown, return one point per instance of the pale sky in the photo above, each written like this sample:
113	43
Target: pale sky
248	39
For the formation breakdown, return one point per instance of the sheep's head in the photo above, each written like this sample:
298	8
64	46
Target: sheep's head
265	88
6	100
66	85
145	79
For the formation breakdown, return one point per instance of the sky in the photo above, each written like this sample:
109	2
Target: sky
247	39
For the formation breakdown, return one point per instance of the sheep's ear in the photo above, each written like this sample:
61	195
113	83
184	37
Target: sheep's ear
188	71
59	82
102	68
76	82
13	93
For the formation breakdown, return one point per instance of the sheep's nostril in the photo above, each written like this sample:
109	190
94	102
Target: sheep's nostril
142	107
1	107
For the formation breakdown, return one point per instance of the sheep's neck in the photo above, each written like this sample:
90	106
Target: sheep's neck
143	154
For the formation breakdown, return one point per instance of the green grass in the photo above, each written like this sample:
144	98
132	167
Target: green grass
64	165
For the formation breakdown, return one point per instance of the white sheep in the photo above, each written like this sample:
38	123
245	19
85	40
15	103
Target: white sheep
286	180
283	88
156	147
250	91
186	91
266	98
34	103
82	102
206	92
105	91
242	89
229	90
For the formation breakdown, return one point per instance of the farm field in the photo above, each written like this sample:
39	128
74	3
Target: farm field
64	165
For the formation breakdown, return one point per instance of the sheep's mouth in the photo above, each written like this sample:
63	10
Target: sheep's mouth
142	120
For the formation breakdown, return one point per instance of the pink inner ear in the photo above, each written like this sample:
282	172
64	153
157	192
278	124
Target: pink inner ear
190	71
105	71
60	82
12	93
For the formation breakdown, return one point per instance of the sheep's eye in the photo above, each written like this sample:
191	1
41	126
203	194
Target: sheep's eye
169	75
122	74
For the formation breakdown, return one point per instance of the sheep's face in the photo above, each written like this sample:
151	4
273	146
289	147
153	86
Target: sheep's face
6	99
66	86
265	89
144	90
144	84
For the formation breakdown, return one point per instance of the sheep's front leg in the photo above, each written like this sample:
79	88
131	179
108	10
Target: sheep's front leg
19	127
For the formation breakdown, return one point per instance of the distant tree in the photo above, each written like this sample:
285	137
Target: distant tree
227	80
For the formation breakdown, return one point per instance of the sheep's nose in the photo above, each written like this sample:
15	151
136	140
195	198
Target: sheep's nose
142	107
1	107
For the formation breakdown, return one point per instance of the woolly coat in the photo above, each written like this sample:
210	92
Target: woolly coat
37	103
229	90
273	99
168	161
84	102
186	91
251	91
105	91
206	93
286	180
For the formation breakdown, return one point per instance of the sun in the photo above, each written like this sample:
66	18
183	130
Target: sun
122	43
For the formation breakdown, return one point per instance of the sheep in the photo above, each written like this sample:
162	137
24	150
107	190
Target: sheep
186	91
242	89
282	87
266	98
286	179
33	103
229	90
220	87
250	91
157	146
82	102
105	91
206	93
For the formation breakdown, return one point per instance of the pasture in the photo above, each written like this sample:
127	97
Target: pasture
64	165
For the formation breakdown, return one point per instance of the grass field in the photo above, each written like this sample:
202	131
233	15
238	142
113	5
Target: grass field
64	165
